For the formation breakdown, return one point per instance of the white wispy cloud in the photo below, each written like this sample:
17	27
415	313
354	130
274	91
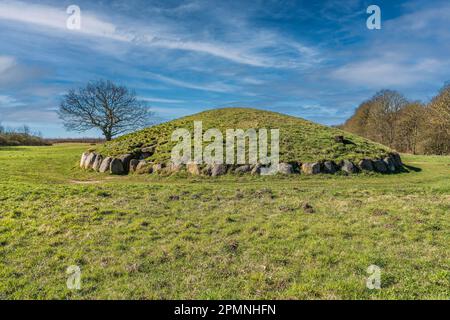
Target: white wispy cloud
252	81
6	62
161	100
12	72
213	86
423	21
9	102
171	111
55	18
380	72
31	116
218	50
158	36
409	50
92	25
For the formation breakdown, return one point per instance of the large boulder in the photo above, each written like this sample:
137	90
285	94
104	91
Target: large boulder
330	167
285	168
116	167
206	171
83	159
311	168
90	159
397	160
243	169
133	165
193	168
256	169
126	158
175	167
97	162
141	164
157	168
218	169
380	166
348	166
104	167
150	149
365	164
147	152
143	167
390	164
339	139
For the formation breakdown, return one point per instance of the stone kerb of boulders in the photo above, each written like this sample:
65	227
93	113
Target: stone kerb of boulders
136	163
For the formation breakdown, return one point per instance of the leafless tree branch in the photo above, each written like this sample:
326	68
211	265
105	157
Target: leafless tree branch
105	106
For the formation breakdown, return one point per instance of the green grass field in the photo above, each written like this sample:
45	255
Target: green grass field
178	237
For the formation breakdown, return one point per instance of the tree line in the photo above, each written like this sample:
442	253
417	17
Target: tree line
22	136
406	126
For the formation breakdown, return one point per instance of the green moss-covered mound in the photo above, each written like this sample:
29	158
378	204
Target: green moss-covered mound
300	140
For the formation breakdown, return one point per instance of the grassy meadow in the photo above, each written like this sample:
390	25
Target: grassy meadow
181	237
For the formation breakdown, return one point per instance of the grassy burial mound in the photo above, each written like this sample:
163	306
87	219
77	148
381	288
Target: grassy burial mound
305	147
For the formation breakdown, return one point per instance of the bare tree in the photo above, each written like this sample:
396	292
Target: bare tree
358	123
377	118
389	118
105	106
438	131
384	113
24	130
410	127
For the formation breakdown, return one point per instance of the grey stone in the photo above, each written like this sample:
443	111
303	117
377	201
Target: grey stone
90	159
307	208
207	170
390	165
104	167
330	167
175	167
218	169
141	164
150	149
134	164
380	166
348	166
116	167
157	167
285	168
147	152
193	168
243	169
339	139
366	164
83	159
97	162
397	160
256	170
143	167
126	158
311	168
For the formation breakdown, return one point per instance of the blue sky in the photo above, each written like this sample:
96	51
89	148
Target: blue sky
312	59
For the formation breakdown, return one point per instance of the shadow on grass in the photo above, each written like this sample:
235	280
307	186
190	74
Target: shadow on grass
346	142
407	168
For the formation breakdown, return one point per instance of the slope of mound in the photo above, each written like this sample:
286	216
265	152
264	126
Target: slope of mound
300	140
